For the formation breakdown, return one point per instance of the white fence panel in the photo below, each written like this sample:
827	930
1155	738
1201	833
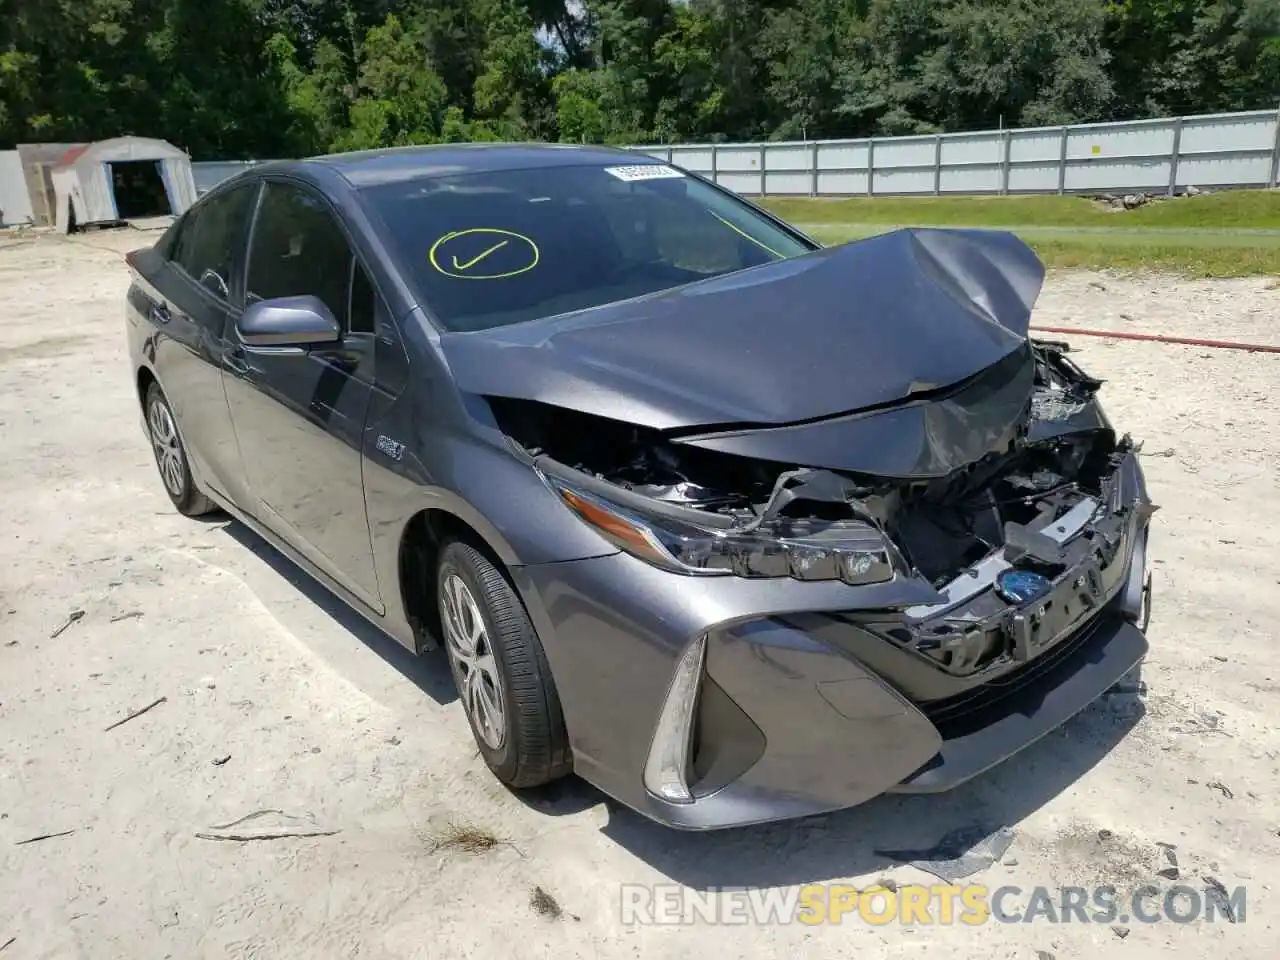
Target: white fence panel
1207	170
1034	178
15	201
788	156
906	152
906	181
1218	150
747	184
972	178
967	148
1105	141
788	183
841	184
697	159
1207	134
1027	146
209	173
849	154
738	158
1118	175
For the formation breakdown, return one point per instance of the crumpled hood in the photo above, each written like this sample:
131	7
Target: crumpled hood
838	330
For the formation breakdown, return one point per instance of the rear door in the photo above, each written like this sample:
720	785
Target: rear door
191	295
299	413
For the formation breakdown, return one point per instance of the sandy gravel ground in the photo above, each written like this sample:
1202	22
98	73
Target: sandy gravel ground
277	698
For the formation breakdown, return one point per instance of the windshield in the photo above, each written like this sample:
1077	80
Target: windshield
490	249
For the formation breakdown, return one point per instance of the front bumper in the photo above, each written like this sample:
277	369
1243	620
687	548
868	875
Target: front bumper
1073	675
799	727
802	710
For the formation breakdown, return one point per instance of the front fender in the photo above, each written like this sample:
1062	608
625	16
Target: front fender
505	502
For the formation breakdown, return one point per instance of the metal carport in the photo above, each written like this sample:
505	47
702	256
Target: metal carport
88	179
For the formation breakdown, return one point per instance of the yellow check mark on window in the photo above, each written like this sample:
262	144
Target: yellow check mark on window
471	263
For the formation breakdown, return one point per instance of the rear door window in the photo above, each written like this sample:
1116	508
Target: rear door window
211	236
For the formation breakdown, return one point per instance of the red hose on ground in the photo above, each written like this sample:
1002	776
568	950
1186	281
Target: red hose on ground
1219	344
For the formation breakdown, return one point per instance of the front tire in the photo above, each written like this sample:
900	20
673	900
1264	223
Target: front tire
171	457
500	671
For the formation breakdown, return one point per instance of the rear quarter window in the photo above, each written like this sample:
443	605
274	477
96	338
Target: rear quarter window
164	246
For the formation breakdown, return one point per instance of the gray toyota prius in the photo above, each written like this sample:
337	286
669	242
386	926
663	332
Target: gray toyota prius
734	526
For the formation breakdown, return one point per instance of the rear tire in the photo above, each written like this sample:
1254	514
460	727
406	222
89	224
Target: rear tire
500	671
171	457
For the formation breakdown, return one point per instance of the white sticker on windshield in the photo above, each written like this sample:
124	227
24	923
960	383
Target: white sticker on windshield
644	171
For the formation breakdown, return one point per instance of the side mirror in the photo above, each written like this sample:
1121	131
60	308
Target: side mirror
288	322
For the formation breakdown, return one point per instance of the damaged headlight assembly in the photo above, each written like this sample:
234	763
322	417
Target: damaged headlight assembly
687	542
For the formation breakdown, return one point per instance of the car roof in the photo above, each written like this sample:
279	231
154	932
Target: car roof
370	168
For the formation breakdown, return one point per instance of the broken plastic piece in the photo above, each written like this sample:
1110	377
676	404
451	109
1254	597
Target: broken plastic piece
960	853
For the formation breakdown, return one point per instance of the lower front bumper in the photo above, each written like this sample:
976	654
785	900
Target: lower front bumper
1085	668
794	720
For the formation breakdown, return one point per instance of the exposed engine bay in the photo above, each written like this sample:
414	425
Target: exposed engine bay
1049	500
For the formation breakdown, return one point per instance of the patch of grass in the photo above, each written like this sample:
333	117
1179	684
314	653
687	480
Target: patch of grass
1229	210
1184	253
544	904
466	838
1189	261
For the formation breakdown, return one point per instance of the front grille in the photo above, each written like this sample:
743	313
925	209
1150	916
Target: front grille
967	712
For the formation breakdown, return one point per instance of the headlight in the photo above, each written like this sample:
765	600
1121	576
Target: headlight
677	539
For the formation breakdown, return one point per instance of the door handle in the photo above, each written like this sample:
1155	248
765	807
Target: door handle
160	313
344	364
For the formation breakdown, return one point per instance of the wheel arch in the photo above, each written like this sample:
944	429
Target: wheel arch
143	380
417	557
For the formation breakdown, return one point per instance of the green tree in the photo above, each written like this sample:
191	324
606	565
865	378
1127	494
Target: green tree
579	115
920	66
1187	56
233	78
511	90
401	98
691	106
634	83
195	72
803	45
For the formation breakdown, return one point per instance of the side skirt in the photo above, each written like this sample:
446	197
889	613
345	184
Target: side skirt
316	574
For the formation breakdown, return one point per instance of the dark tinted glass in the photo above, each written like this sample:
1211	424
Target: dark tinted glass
497	248
211	235
363	300
298	249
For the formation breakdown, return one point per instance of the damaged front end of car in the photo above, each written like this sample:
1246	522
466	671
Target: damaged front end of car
946	571
1022	542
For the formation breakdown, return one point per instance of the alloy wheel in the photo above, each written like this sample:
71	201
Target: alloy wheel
469	648
164	439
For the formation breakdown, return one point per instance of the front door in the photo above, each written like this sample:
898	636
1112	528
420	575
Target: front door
299	413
